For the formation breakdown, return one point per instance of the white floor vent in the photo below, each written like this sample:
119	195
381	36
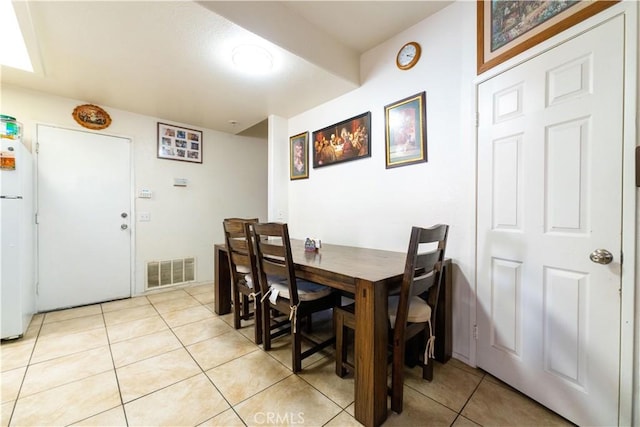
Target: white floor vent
170	272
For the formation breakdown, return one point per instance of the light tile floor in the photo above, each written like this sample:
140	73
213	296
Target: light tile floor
168	359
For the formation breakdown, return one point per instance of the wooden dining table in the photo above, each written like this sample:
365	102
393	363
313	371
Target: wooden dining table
367	274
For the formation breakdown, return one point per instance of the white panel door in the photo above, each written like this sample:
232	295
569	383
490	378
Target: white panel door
549	194
84	203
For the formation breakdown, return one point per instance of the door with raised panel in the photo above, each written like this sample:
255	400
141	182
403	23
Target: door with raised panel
550	195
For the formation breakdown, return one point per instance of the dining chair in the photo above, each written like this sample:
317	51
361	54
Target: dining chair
412	312
244	274
288	302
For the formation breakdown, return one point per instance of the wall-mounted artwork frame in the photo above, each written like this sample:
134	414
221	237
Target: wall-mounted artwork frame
507	28
179	143
299	156
406	131
342	142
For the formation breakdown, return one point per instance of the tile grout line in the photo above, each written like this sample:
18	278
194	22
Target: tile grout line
232	407
308	383
102	312
115	371
35	342
237	331
202	371
443	404
469	399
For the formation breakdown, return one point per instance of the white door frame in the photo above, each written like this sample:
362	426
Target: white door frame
132	223
629	314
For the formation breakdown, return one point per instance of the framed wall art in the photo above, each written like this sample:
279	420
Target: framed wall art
299	156
406	131
507	28
91	117
342	142
178	143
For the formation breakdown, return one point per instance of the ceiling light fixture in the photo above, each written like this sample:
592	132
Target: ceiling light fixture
252	59
14	51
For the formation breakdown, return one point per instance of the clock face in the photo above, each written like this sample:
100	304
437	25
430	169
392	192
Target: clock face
408	55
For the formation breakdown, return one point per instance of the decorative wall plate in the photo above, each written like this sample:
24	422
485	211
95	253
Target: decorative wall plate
91	116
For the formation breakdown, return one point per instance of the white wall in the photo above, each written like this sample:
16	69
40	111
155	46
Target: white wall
278	169
360	202
231	181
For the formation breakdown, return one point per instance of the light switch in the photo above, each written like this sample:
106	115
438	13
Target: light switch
179	182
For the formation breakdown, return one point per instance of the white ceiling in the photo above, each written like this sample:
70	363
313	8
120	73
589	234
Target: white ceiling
171	59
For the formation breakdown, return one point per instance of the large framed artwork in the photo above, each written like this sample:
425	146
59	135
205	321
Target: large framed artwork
299	156
509	27
406	131
178	143
342	142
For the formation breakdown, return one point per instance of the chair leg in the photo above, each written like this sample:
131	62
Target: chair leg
266	327
397	377
236	309
308	327
245	306
413	349
427	371
427	365
341	345
257	316
296	344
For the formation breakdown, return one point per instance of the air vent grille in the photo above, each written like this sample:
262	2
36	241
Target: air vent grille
170	272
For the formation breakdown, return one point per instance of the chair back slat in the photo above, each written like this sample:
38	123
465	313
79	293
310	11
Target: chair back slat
422	284
239	244
422	274
235	227
273	252
425	268
237	234
241	259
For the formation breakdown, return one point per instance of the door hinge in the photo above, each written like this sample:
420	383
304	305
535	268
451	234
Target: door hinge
475	332
477	119
37	147
37	218
621	257
638	166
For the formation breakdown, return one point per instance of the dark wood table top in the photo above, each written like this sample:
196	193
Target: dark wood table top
345	264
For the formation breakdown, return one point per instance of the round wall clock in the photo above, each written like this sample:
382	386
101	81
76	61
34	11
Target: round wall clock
408	55
91	116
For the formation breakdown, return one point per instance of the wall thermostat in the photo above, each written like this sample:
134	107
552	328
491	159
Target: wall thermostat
145	194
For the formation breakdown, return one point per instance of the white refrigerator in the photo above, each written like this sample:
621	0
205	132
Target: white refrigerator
17	238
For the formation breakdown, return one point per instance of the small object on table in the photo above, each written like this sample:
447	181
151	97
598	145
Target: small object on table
310	245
